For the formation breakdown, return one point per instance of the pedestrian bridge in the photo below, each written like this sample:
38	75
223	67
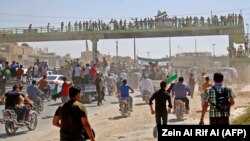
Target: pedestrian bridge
38	34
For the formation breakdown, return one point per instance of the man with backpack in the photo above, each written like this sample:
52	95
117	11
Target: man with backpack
220	99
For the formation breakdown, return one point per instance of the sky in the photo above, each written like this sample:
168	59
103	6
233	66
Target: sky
21	13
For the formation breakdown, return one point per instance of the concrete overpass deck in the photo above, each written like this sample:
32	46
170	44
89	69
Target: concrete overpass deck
235	33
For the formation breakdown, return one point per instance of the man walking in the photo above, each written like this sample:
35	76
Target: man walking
72	119
220	99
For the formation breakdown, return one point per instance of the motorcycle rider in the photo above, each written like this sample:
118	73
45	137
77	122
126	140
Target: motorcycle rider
12	100
124	93
26	99
34	92
43	85
180	91
118	84
146	85
2	83
111	84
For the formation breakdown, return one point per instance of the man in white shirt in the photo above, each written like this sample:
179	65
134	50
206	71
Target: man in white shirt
77	74
124	75
146	85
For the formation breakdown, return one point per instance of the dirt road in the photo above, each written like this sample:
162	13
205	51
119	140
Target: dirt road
110	126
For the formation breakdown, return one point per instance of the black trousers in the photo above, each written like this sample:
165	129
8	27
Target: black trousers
219	120
161	118
99	98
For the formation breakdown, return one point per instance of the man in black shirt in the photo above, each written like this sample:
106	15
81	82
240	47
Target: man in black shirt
72	119
161	97
12	101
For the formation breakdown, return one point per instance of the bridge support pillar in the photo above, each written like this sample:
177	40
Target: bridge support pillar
231	41
94	50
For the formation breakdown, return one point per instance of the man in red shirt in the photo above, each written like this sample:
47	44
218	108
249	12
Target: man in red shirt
20	72
93	72
65	90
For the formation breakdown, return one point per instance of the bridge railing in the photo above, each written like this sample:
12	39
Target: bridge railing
27	30
113	26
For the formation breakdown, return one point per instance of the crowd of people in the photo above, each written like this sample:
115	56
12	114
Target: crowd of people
149	23
72	107
143	23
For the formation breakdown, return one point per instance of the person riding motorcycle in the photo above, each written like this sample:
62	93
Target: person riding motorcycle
26	99
12	101
124	93
34	92
111	84
146	85
180	91
43	85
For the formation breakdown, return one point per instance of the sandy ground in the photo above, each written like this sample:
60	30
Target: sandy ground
110	126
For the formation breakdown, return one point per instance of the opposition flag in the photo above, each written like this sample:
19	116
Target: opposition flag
171	78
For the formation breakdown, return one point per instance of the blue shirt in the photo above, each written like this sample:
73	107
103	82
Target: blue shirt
124	89
180	90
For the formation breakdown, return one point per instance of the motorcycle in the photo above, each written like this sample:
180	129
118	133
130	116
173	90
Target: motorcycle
38	107
11	124
47	93
179	109
125	107
146	96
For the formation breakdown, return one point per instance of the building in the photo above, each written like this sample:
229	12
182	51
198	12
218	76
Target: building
26	55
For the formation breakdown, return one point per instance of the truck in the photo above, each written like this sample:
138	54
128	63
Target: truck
88	93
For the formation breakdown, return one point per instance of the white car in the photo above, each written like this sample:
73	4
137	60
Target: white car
49	73
55	79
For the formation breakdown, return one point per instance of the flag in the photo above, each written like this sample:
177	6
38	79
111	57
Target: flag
171	78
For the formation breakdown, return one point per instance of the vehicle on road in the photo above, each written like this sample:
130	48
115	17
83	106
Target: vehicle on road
179	109
55	82
125	107
146	96
88	93
11	124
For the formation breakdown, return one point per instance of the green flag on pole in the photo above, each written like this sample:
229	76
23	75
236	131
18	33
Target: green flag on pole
171	78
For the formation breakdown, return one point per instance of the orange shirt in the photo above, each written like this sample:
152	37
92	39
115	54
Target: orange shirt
42	83
205	86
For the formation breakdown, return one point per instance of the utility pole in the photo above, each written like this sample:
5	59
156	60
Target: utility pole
178	49
195	47
116	51
87	46
247	38
148	54
213	49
